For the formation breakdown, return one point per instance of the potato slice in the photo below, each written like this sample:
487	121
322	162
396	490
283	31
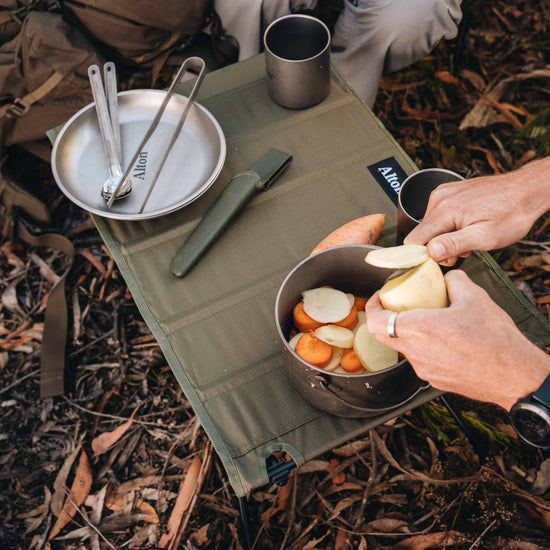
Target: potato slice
326	305
335	335
421	287
373	354
404	256
361	320
335	361
294	340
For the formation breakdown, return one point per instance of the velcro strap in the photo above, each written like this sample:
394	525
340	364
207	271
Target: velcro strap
20	105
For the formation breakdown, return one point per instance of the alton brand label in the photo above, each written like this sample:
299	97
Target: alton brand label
389	175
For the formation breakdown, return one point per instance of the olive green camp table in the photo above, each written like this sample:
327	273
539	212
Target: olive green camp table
216	326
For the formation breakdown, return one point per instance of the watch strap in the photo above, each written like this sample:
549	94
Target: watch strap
543	393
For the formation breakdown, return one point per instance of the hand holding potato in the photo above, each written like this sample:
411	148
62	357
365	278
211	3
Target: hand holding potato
483	213
471	347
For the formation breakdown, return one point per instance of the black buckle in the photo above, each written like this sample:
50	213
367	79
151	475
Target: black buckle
278	470
17	108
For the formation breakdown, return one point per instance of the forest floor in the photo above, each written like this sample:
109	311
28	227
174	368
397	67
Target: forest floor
412	484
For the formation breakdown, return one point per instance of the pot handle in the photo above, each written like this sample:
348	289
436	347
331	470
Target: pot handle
327	386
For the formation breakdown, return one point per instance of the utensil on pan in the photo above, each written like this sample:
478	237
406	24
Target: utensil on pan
177	131
115	187
109	76
156	120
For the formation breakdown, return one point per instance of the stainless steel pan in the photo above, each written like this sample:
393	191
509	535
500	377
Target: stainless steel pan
80	169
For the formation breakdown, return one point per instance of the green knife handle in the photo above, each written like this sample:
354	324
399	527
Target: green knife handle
237	193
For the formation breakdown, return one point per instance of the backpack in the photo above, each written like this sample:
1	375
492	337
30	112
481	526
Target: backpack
46	48
44	59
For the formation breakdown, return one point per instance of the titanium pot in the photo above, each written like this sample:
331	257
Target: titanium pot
342	394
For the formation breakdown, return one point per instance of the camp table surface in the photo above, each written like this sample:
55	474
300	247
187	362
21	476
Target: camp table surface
216	326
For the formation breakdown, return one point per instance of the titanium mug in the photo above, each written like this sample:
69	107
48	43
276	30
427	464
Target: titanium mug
414	195
297	61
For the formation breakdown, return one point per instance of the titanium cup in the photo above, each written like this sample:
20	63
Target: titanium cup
297	61
414	195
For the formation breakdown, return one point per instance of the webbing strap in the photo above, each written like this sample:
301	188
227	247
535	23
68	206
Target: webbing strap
54	337
20	106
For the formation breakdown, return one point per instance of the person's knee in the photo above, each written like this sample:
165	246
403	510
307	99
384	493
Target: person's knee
417	27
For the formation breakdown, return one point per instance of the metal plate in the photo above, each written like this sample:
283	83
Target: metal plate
80	168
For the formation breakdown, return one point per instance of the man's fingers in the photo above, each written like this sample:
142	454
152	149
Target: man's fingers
450	246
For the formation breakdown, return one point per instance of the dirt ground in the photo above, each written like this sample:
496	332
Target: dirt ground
124	445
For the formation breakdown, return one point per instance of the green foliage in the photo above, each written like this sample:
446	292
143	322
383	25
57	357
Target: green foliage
440	421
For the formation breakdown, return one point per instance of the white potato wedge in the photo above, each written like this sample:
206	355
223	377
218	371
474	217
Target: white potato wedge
335	335
361	320
294	340
335	361
373	354
326	305
404	256
421	287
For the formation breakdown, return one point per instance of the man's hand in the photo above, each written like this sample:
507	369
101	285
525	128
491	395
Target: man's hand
483	213
471	347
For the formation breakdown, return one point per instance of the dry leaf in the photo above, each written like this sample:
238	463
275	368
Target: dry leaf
430	540
61	481
389	525
340	477
79	491
283	500
185	495
94	261
341	542
105	440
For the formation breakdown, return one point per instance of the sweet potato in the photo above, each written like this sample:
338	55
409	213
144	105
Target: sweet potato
350	362
302	321
313	350
364	230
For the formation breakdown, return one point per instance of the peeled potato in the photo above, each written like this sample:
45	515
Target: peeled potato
361	320
326	305
335	335
421	287
335	360
404	256
294	340
373	354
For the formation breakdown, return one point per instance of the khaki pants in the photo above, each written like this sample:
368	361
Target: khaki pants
371	37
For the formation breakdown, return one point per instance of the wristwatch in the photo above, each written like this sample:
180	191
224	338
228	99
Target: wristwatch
530	417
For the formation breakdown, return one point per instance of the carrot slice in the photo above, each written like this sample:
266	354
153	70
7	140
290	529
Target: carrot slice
351	320
303	322
360	302
350	362
313	350
365	230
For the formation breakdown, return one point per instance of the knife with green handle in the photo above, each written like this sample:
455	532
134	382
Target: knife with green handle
235	196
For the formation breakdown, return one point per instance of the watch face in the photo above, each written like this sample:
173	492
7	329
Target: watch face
532	423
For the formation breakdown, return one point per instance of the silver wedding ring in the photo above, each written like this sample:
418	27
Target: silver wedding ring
391	324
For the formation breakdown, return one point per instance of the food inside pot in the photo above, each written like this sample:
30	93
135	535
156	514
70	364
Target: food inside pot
330	332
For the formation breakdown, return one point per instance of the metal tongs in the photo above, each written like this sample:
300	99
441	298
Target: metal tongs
189	61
